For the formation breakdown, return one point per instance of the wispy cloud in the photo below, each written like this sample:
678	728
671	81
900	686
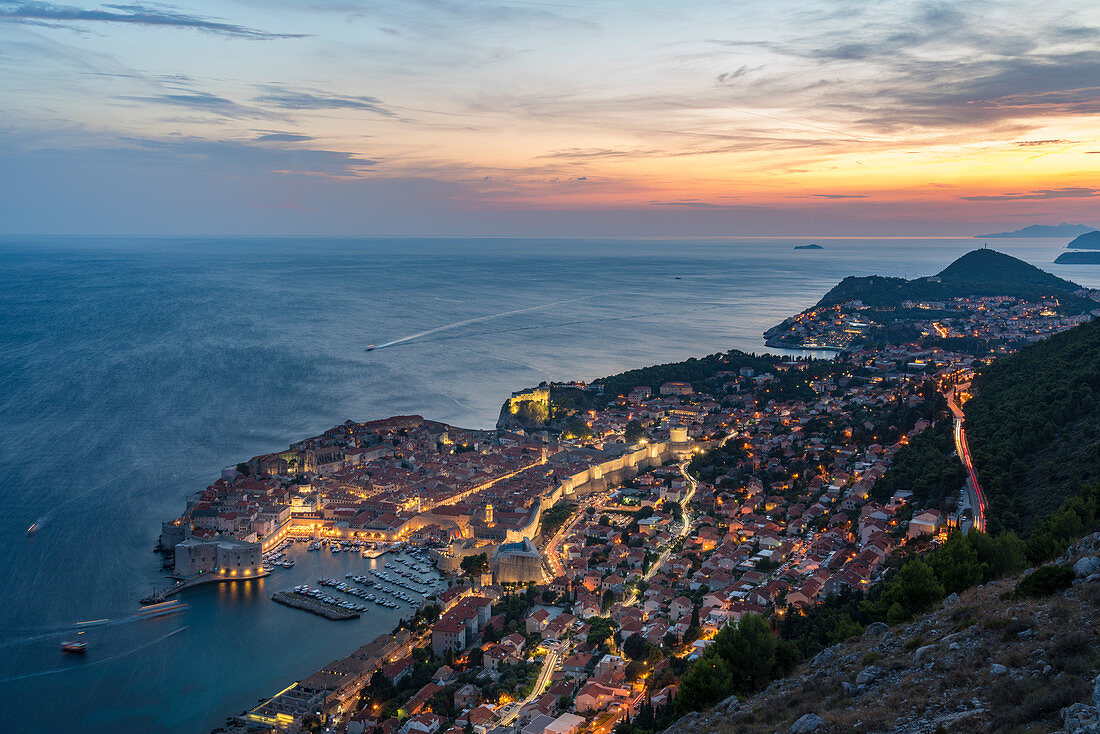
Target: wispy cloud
283	138
135	14
198	101
291	99
839	196
1067	193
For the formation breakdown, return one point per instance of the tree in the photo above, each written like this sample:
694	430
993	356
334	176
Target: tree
607	600
636	647
475	565
600	629
913	589
633	431
708	682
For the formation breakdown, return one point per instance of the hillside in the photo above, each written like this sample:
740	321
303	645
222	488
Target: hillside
1078	258
1034	425
1039	231
984	660
977	273
1087	241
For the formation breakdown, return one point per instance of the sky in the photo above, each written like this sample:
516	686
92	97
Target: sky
593	118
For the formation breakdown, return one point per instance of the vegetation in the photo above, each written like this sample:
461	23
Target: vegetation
1034	426
475	565
927	468
977	273
1045	581
694	371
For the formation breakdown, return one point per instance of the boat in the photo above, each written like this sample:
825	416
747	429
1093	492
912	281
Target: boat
370	348
32	529
159	610
74	648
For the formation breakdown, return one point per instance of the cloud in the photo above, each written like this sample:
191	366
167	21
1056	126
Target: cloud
839	196
282	138
297	100
1067	193
198	101
134	14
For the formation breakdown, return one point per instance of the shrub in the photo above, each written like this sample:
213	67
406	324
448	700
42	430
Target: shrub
872	657
1045	581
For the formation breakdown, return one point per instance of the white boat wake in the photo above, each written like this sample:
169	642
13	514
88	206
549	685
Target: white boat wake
476	320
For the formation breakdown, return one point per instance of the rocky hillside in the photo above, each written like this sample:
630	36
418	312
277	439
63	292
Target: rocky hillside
989	659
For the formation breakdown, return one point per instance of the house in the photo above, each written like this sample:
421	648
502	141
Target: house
926	523
467	697
423	723
679	606
565	724
537	621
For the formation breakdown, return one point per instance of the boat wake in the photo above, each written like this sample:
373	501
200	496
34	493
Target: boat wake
476	320
99	661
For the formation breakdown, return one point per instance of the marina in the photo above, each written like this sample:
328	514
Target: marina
314	606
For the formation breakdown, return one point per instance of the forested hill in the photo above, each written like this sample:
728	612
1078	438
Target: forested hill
1034	426
977	273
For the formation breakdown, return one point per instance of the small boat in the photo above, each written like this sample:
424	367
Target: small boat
32	529
74	648
370	348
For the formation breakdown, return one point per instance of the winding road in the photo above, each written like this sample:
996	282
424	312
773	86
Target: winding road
977	497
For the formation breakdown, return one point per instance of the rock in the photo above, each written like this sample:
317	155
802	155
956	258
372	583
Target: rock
807	724
1047	669
867	675
1086	567
951	599
824	657
725	706
1096	692
1026	634
848	688
924	654
997	669
1092	578
954	646
1079	719
876	629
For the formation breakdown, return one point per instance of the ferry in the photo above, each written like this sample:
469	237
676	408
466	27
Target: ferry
159	610
75	648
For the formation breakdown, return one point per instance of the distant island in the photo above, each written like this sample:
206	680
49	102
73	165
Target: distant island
811	246
1078	258
1087	241
1040	230
978	286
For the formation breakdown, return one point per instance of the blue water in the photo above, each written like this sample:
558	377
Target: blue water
132	370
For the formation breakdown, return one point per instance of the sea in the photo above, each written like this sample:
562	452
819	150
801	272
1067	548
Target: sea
132	370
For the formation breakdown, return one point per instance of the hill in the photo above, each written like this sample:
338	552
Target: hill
1039	231
986	660
1087	241
1078	258
977	273
1034	425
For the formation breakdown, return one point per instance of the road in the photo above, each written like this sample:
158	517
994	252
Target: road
977	497
549	664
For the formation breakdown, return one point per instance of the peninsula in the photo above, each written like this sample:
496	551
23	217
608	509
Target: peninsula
983	301
1040	231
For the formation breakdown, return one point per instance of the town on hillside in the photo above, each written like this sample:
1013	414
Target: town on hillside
598	541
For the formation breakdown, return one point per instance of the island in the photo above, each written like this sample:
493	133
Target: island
1039	231
985	300
1078	258
811	246
1087	241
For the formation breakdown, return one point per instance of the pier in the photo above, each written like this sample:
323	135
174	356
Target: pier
207	578
321	609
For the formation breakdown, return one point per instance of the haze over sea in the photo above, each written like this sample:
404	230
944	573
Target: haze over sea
132	370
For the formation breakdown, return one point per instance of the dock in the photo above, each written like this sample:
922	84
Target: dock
321	609
208	578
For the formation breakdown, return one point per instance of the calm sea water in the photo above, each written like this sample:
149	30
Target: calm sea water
132	370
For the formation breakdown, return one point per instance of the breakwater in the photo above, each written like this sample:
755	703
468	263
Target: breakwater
328	611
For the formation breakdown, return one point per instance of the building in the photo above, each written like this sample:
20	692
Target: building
517	563
220	554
